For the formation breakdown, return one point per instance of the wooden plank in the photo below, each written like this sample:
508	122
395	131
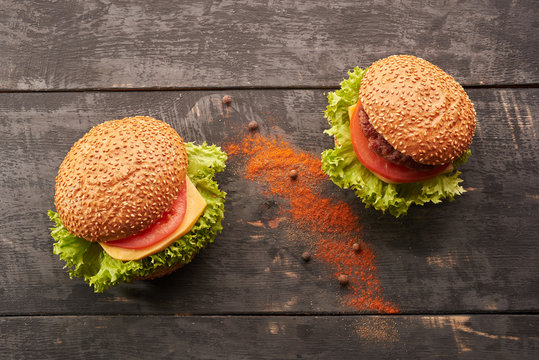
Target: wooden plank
271	337
478	253
92	44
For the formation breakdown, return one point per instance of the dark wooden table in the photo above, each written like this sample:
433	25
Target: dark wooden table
464	275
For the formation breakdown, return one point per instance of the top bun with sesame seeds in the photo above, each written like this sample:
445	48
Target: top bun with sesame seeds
119	178
418	108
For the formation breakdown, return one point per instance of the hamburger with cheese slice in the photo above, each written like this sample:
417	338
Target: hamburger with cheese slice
400	129
134	201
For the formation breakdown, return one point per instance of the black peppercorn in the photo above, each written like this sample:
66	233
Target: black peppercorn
227	99
253	125
343	280
306	256
293	174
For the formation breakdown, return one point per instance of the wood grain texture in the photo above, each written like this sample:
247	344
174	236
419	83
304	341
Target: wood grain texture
271	337
478	253
95	44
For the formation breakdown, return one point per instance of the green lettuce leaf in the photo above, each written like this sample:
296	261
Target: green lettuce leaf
345	170
88	261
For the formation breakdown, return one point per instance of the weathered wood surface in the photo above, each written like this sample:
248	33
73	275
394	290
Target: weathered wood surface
271	337
249	295
477	254
91	44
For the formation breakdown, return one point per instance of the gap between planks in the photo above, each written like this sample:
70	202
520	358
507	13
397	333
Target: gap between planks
275	314
236	88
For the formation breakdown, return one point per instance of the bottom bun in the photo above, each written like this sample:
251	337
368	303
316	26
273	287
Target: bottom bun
160	272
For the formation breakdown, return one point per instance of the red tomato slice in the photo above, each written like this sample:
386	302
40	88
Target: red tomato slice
158	230
379	165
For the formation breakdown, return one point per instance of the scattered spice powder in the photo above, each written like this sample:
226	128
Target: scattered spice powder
337	227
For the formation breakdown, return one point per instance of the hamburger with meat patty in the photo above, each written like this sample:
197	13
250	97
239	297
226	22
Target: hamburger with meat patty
400	129
134	201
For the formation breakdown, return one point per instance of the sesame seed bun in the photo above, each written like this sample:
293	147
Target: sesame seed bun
418	108
120	178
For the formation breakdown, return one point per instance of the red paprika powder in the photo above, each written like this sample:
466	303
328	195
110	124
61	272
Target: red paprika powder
269	161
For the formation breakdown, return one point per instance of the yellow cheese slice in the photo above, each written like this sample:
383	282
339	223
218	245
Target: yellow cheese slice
194	208
351	110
